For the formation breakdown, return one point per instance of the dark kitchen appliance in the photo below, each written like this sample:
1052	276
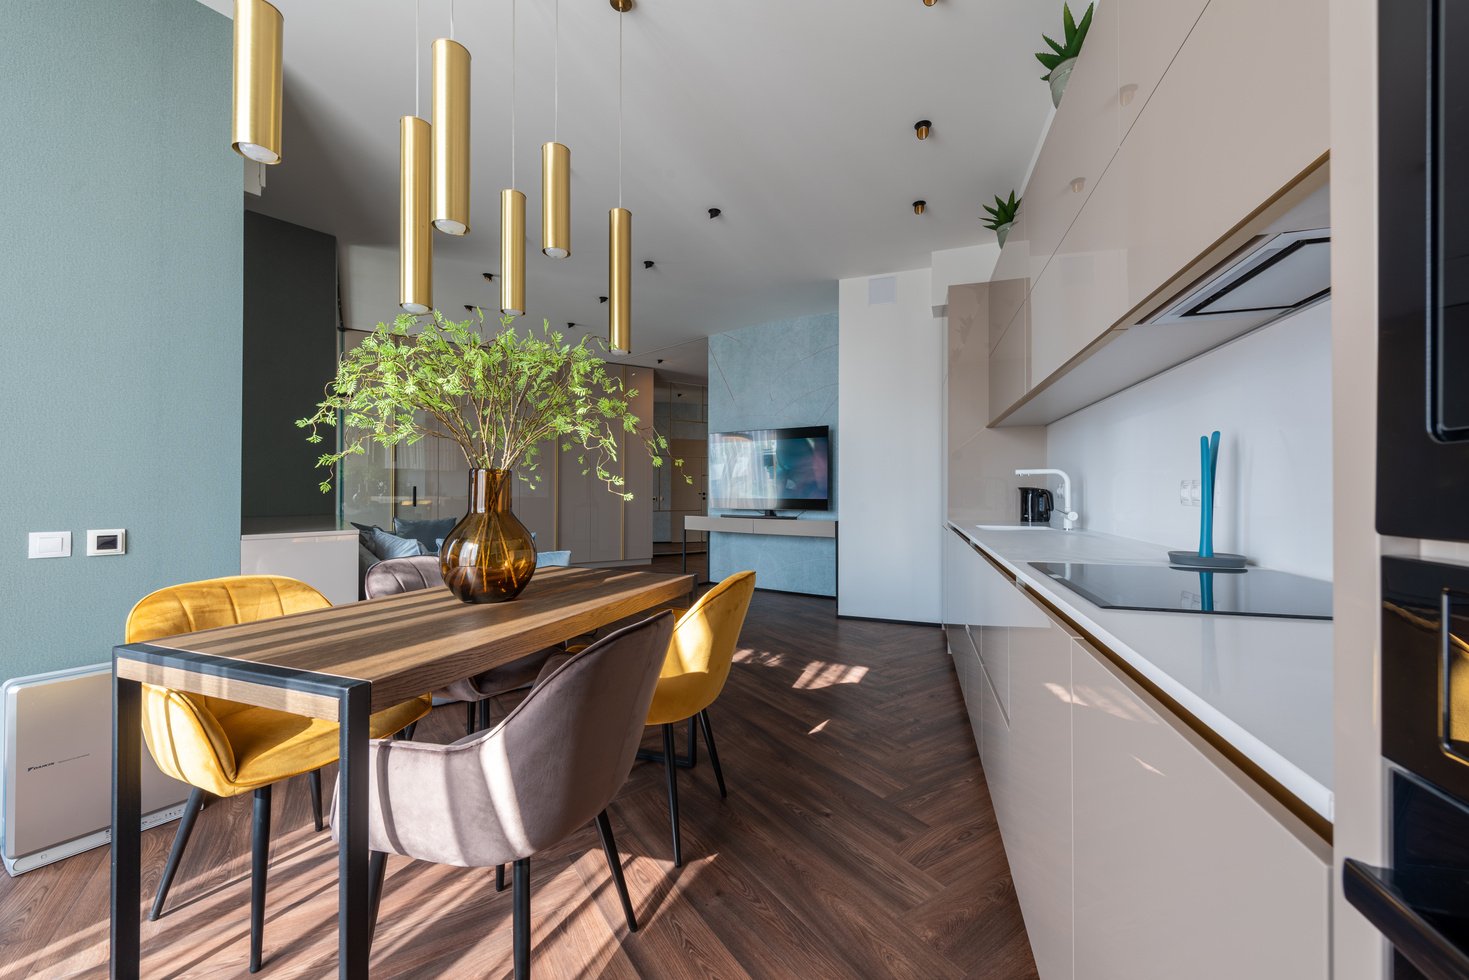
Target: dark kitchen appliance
1420	901
1423	270
1035	505
1159	588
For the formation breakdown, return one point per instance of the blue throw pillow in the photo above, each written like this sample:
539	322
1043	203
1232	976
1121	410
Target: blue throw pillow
386	545
553	559
425	532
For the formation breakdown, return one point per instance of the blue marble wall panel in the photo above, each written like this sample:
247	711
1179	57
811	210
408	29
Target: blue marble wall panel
769	376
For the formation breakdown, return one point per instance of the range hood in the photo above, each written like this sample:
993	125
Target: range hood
1272	276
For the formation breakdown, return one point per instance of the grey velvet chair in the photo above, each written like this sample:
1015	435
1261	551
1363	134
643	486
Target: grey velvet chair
498	797
398	575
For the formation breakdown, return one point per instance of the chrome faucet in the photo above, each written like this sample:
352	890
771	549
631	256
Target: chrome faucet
1069	517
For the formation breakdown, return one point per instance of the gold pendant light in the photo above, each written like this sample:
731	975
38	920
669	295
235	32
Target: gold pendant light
451	136
619	232
512	215
255	129
415	235
555	200
415	232
512	252
556	171
619	280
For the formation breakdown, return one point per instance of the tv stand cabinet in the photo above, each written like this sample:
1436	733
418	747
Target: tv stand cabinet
812	528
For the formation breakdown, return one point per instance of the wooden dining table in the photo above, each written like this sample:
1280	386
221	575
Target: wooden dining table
342	664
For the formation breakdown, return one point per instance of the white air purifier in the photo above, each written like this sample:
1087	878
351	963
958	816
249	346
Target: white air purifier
56	757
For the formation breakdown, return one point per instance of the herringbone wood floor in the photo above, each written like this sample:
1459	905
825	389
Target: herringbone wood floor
857	841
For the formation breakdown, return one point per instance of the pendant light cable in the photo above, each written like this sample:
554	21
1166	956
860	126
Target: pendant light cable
512	93
451	20
417	67
556	80
619	110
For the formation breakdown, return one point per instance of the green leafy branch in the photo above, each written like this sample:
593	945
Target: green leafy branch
1073	33
498	398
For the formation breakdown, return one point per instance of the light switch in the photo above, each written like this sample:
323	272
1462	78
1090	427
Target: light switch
50	544
109	542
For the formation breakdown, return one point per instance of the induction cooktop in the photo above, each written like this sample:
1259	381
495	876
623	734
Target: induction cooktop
1160	588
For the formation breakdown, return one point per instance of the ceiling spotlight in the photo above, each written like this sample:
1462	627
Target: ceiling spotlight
647	263
623	6
919	206
929	3
660	360
601	299
489	276
715	212
922	127
570	325
468	308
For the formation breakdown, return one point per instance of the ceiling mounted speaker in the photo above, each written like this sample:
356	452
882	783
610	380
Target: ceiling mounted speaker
451	136
512	252
255	128
415	238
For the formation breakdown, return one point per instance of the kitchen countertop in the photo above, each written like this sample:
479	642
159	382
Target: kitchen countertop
1262	685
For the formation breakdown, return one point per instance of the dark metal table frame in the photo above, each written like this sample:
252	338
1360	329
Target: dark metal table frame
354	703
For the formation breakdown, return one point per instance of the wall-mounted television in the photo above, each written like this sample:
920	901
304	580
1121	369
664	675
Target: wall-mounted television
771	469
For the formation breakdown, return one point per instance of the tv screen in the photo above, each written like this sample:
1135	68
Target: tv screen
771	469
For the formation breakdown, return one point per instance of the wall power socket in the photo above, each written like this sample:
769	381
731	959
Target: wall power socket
1189	493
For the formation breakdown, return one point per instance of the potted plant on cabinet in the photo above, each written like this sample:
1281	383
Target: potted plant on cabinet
1002	216
499	398
1061	58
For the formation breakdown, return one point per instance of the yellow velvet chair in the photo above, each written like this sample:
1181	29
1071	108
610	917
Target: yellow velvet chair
694	673
225	748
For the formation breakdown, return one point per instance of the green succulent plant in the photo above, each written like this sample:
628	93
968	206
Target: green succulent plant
1003	212
1074	34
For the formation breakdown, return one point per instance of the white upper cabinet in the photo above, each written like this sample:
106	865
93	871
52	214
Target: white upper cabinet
1149	34
1240	114
1182	123
1082	139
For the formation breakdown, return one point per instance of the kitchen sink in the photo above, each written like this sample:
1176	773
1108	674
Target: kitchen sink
1014	527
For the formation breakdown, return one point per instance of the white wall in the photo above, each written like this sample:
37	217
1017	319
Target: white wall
1269	394
891	420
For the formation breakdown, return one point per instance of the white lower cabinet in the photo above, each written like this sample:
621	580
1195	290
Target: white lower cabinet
1181	870
1037	825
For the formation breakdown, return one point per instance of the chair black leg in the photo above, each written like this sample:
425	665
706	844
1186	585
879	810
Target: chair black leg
408	732
314	778
499	877
614	864
708	731
521	919
484	715
180	841
377	868
671	766
259	860
473	710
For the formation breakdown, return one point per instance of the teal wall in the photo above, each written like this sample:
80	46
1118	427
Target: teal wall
290	354
120	278
768	376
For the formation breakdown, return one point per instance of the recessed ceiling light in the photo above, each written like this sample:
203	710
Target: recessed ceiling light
647	263
919	206
923	127
715	212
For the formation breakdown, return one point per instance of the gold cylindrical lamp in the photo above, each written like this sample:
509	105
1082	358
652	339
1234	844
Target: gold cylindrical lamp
415	233
555	200
255	129
619	280
451	137
512	252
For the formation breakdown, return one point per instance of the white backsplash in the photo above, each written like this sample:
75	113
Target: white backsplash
1269	394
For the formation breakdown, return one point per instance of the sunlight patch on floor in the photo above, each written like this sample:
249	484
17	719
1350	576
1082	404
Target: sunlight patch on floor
818	675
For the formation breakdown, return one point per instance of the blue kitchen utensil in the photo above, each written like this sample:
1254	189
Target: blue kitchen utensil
1205	556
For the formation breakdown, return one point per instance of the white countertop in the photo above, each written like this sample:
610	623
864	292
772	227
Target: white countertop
1263	685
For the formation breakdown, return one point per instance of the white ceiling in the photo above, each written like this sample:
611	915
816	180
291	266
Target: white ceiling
793	116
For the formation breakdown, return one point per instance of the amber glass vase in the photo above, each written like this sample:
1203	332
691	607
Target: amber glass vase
489	555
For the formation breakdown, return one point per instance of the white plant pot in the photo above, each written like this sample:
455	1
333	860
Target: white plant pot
1060	75
1002	232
